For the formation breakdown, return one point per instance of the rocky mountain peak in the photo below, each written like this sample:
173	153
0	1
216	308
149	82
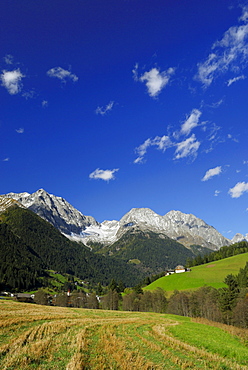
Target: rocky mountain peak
185	228
144	215
239	238
181	225
55	210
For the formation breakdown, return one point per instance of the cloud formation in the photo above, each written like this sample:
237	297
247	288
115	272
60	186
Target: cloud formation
11	80
29	94
154	80
162	143
239	189
44	103
62	74
105	175
8	59
102	111
230	53
235	79
212	172
20	130
216	193
191	122
188	147
186	143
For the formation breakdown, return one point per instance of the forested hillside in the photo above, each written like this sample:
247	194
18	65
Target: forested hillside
29	245
152	252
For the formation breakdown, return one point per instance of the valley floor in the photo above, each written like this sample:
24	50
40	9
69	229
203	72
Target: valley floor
47	338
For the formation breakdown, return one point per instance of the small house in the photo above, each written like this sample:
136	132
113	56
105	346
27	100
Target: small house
179	269
169	272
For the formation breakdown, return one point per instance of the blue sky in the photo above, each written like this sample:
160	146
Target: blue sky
130	103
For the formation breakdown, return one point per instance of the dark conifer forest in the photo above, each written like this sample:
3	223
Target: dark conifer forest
29	246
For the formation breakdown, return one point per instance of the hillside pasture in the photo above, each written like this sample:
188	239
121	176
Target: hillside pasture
49	338
211	274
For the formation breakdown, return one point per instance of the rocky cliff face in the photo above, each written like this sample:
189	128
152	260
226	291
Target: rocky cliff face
55	210
185	228
189	229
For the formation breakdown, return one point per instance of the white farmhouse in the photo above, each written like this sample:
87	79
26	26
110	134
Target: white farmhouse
180	269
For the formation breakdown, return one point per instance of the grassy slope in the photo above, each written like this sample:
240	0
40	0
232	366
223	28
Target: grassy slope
212	274
49	338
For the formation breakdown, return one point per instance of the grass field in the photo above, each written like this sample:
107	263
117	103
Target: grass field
42	337
212	274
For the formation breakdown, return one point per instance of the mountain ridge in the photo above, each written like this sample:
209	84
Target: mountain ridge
184	228
55	210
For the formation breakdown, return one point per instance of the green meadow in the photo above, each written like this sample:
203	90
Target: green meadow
211	274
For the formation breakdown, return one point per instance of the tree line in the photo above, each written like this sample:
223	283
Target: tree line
223	252
227	305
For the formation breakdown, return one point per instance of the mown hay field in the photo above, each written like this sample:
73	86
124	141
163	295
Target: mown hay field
44	337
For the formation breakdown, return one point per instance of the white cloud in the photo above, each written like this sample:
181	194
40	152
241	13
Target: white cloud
62	74
191	122
103	111
238	189
8	59
135	72
161	142
20	130
187	148
44	103
207	69
235	79
154	79
105	175
216	193
214	137
216	104
11	80
244	16
141	150
212	172
5	159
29	94
229	136
230	53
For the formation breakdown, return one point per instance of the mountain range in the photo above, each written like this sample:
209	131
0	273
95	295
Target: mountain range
41	231
187	229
